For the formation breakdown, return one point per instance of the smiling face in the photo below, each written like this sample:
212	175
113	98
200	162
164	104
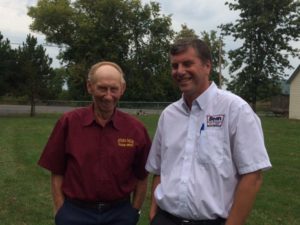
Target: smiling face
106	87
190	73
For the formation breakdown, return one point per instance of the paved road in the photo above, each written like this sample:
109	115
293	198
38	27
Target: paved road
25	109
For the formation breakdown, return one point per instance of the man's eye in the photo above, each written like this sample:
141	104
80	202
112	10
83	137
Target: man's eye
174	66
102	89
114	90
187	64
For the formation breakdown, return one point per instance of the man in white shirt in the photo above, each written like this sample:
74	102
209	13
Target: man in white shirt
208	151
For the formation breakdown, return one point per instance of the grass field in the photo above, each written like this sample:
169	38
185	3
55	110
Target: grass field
25	189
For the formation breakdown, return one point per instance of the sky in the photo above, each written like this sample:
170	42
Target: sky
200	15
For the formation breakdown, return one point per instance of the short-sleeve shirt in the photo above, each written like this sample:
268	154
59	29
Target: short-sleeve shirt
98	163
201	153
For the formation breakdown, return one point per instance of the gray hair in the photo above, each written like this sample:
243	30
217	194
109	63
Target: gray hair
103	63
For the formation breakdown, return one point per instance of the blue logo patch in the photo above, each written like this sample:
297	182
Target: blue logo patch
215	120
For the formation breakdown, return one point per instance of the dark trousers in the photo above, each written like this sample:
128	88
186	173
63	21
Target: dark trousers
164	218
122	214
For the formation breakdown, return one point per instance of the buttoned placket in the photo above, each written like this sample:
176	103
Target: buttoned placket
193	132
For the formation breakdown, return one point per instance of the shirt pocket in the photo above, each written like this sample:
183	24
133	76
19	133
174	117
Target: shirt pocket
210	145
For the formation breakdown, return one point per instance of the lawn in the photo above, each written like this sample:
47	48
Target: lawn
25	190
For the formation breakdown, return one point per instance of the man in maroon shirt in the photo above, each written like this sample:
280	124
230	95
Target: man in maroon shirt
97	157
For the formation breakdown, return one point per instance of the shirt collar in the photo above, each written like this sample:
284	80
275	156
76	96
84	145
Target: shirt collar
204	99
207	96
89	118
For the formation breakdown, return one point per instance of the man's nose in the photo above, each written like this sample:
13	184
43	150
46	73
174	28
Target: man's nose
108	93
180	69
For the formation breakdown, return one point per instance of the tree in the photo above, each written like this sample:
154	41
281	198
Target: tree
186	32
7	65
56	83
33	71
148	59
216	45
266	28
124	31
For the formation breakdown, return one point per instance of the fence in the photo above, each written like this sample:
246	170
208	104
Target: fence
121	104
20	106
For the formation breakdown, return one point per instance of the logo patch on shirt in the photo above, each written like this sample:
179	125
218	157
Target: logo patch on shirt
125	142
215	120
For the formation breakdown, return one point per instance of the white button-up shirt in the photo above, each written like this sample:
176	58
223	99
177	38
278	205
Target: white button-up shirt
201	153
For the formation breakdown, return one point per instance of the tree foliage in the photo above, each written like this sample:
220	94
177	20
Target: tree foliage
133	35
34	73
56	83
7	66
266	29
216	45
186	32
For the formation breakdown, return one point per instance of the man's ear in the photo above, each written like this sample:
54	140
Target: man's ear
123	86
88	87
208	66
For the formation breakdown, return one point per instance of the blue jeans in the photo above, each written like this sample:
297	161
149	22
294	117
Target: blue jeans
70	214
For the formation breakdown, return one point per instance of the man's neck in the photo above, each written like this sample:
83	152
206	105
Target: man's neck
103	117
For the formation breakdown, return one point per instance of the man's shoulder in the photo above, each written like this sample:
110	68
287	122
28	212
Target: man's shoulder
230	97
76	113
177	106
233	103
128	119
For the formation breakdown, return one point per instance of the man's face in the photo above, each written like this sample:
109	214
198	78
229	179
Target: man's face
190	73
106	87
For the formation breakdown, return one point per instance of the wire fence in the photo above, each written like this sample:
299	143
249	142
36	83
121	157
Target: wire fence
278	106
57	106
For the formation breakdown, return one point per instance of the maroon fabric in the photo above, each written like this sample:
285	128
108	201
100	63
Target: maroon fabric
98	163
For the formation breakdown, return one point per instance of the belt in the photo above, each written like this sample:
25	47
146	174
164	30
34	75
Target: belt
100	206
182	221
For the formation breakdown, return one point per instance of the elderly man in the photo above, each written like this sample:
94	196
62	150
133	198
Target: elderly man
97	156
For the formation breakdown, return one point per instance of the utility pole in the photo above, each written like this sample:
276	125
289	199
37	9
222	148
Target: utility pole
220	63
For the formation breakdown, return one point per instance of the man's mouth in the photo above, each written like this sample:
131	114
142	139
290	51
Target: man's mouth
183	79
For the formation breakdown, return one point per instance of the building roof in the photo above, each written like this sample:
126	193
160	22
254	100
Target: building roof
297	70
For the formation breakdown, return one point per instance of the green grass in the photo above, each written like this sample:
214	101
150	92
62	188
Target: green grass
278	202
25	189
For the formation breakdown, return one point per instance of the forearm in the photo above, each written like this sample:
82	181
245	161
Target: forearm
140	193
244	198
56	189
153	206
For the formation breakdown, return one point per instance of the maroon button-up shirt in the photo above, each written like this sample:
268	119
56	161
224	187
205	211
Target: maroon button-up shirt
98	163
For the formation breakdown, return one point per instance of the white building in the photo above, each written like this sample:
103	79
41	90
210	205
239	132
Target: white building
294	107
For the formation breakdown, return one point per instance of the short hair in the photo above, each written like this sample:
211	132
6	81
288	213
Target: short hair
104	63
201	48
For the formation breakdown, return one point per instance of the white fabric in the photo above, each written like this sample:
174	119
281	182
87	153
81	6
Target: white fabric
200	153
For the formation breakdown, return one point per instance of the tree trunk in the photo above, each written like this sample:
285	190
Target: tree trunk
32	107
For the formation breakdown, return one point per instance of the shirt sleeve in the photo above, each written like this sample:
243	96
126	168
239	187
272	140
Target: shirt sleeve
249	152
153	164
53	157
142	155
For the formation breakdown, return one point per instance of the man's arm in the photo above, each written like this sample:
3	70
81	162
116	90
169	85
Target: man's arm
57	194
153	206
140	193
244	198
